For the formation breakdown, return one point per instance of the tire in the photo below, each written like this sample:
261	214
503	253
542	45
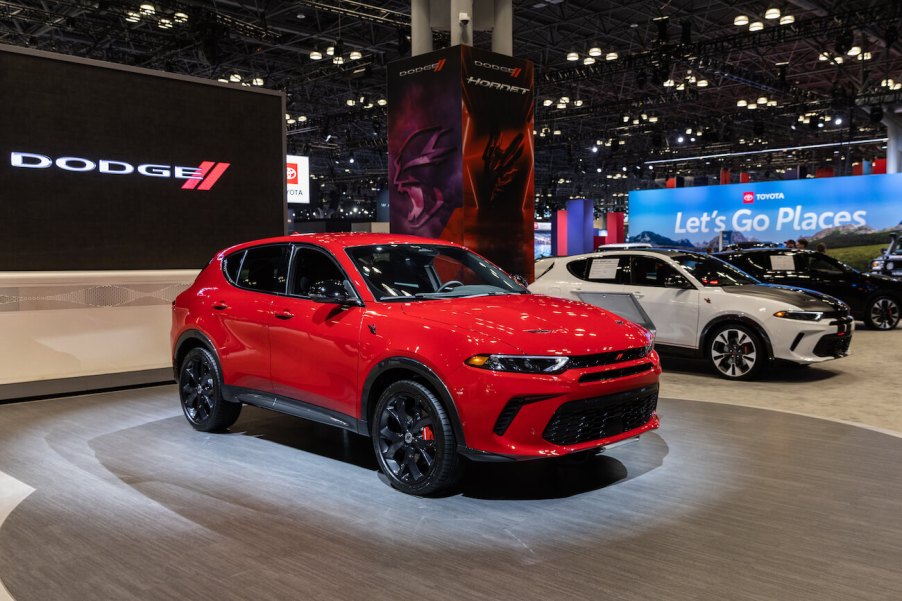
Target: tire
736	352
882	313
414	441
200	392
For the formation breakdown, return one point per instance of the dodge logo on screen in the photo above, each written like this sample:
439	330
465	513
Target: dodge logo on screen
202	177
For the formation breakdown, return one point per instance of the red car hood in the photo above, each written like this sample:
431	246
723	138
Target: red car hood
535	324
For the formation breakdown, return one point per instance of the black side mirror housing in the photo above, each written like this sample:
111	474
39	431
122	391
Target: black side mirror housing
331	291
520	280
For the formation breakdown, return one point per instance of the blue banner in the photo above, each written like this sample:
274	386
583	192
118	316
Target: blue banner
766	211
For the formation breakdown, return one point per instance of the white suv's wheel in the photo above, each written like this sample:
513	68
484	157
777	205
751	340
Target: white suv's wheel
736	352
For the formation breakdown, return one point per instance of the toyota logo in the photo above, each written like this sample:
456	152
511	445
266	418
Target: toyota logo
292	173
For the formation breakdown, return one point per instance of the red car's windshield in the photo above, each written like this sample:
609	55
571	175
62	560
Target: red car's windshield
428	271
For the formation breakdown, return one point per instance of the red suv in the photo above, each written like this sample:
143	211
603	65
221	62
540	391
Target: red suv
424	346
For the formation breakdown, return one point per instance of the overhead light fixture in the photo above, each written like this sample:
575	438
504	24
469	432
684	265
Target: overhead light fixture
702	83
751	106
355	55
669	83
762	99
350	102
681	86
838	121
330	50
565	99
772	13
382	102
764	151
147	9
838	60
338	60
756	26
588	61
302	118
547	102
595	51
234	78
787	20
854	51
291	121
164	24
611	56
556	132
652	119
577	103
180	18
741	103
257	81
132	16
560	105
741	21
865	56
573	55
823	56
681	139
771	103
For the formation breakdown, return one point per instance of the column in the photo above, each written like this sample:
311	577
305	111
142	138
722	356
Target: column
420	31
503	33
461	32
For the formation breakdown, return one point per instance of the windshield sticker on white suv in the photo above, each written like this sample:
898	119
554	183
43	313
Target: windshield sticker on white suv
603	269
782	263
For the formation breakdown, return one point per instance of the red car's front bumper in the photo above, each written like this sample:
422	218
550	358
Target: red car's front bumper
524	416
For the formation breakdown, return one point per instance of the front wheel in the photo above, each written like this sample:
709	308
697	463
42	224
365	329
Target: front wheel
200	391
414	441
882	313
736	352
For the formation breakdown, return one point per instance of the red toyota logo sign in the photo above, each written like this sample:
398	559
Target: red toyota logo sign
292	173
748	198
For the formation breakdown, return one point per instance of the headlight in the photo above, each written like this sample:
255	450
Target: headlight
890	265
525	364
877	265
800	315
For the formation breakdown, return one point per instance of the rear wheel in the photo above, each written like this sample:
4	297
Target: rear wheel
200	391
736	352
882	313
414	441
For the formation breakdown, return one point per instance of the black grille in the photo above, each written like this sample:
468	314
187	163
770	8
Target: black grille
510	411
601	417
833	345
612	374
605	358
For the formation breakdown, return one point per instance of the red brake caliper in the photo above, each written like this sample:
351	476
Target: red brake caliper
427	433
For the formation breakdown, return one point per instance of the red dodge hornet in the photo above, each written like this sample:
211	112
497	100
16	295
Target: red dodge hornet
426	347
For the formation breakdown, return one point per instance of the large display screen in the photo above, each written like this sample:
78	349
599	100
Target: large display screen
767	211
297	175
106	168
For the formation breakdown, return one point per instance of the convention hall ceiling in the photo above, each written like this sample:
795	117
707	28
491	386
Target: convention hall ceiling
674	81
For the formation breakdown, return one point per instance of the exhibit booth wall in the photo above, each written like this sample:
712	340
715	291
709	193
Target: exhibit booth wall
117	185
771	211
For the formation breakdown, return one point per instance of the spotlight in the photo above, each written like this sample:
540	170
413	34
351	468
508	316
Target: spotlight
588	61
838	121
680	139
573	55
316	55
772	13
741	21
756	26
547	102
595	51
611	56
787	20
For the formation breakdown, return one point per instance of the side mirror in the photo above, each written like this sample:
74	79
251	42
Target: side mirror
331	291
520	280
675	280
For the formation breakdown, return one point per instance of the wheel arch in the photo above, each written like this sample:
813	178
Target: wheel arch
733	318
191	339
394	369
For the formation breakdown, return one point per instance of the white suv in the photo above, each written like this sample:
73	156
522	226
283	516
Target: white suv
703	306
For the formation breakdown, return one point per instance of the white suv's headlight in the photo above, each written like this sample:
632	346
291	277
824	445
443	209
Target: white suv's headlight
877	265
526	364
800	315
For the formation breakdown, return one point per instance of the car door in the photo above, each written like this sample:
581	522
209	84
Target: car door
315	344
831	277
673	310
240	312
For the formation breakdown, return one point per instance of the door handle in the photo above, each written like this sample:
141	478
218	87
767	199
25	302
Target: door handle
219	305
284	315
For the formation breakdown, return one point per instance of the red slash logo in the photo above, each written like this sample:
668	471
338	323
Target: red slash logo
209	173
439	65
748	198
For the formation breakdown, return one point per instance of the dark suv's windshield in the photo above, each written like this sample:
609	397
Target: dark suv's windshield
711	271
428	271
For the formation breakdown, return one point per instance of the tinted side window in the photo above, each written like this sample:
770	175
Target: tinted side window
265	268
232	264
824	265
648	271
578	268
311	266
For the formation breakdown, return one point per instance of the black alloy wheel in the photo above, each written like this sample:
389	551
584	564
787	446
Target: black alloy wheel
200	391
736	352
883	313
414	441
